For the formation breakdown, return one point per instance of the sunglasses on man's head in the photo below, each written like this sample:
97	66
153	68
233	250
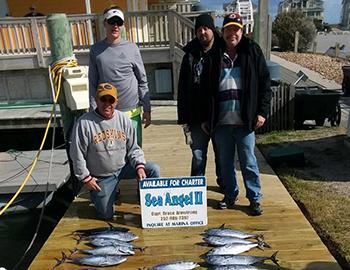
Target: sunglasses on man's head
115	21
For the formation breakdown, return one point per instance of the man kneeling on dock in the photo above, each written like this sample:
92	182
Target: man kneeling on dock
104	150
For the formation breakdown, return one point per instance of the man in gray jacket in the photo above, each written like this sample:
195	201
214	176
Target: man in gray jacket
104	150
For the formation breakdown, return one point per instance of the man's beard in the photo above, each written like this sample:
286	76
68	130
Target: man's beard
205	42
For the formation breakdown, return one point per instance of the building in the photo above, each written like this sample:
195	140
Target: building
160	29
313	9
345	14
245	9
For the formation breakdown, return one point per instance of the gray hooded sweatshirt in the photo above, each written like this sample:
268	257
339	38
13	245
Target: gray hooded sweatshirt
100	147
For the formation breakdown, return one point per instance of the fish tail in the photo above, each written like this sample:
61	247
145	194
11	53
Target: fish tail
260	245
73	251
274	259
110	225
142	249
263	244
60	261
80	238
260	237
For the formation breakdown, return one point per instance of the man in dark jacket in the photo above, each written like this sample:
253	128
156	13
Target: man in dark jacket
243	103
195	93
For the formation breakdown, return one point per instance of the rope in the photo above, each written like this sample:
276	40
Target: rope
56	74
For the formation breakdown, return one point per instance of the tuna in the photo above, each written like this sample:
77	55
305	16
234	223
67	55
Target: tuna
222	231
233	249
226	240
100	230
92	260
122	236
99	260
108	250
176	265
103	242
237	259
235	267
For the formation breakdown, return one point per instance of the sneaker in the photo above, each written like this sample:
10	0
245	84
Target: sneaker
227	203
255	208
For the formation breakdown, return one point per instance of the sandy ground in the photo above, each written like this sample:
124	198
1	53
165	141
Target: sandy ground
328	67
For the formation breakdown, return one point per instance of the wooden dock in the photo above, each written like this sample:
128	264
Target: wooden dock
284	226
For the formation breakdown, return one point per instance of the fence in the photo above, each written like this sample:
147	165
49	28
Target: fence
149	29
20	37
281	115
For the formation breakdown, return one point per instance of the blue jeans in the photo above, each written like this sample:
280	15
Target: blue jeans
105	199
227	138
199	147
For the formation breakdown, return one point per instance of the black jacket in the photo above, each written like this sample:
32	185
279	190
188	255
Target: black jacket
201	104
195	100
256	94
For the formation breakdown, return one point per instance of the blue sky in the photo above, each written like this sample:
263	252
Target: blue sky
331	8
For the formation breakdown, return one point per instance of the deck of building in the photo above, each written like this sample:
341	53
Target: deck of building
284	226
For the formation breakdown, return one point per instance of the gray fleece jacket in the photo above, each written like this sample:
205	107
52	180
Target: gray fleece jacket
100	147
121	65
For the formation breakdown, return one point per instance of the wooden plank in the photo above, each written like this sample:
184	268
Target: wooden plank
282	223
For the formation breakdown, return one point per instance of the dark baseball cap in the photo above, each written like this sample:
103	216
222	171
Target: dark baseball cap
233	19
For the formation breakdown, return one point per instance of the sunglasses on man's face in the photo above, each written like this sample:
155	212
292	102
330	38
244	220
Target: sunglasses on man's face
115	21
107	99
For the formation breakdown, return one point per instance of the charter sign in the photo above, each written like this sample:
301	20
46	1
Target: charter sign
173	202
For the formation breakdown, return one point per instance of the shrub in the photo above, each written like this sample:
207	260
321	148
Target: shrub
287	23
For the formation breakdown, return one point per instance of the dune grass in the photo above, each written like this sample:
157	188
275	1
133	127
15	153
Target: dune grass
327	210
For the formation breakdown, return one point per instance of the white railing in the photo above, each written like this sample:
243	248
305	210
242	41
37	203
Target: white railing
29	36
158	29
20	36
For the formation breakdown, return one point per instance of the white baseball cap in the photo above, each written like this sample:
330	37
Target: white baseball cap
114	13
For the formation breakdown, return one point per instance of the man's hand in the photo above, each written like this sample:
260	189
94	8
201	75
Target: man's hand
92	185
259	121
140	174
146	118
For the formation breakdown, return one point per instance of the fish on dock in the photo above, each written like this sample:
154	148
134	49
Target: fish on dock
237	259
222	231
176	265
122	236
234	249
103	242
100	260
93	260
107	250
100	230
235	267
214	240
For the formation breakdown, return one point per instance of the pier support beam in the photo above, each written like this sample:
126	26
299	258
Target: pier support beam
61	51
